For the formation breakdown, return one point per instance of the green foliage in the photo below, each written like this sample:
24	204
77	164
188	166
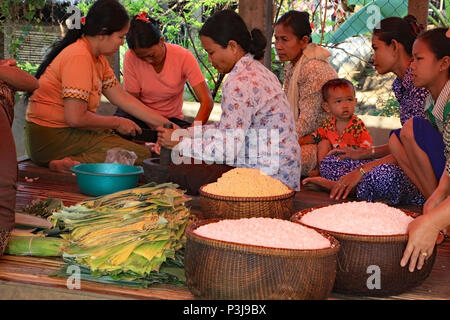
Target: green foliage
390	109
28	67
443	17
20	10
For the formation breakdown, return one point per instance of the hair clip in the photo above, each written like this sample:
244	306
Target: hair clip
83	20
142	16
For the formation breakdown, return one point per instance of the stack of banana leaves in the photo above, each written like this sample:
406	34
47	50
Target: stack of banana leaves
133	237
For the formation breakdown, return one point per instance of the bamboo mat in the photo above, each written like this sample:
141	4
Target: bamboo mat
35	271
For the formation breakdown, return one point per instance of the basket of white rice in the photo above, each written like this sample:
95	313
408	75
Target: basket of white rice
259	258
372	237
246	193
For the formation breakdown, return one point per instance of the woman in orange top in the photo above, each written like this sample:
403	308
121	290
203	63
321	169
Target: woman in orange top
62	127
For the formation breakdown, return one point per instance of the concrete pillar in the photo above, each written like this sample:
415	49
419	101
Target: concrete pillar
419	9
258	14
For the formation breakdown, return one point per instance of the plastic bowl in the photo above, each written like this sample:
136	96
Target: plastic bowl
97	179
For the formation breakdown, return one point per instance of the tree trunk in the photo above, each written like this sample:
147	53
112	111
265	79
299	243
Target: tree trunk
419	9
258	14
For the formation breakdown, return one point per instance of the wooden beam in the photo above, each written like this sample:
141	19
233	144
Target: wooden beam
258	14
419	9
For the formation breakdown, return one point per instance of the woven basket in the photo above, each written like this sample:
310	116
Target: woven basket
223	207
359	252
225	270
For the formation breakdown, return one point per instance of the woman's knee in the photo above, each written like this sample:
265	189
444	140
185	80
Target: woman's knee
407	132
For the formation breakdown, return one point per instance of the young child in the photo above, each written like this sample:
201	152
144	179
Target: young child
343	129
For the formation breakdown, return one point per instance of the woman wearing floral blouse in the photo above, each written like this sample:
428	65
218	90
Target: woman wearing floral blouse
305	74
256	129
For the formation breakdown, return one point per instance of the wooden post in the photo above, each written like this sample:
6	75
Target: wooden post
258	14
114	62
419	9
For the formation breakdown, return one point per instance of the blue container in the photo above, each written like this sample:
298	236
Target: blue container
97	179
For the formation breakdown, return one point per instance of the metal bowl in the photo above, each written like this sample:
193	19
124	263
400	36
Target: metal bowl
97	179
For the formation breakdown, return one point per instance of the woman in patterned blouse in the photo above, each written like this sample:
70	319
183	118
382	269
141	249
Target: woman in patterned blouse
256	128
62	126
379	177
11	79
305	74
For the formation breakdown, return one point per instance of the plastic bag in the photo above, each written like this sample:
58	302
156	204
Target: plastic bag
121	156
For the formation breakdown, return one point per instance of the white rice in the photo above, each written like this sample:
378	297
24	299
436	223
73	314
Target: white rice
265	232
361	218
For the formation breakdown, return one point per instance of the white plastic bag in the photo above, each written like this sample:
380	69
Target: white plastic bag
121	156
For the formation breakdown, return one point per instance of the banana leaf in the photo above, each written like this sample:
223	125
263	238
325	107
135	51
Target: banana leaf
362	21
35	246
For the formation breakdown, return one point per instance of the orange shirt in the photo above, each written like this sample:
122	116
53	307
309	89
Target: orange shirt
74	73
355	134
162	92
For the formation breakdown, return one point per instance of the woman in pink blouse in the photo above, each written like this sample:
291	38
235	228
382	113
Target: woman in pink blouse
156	72
256	129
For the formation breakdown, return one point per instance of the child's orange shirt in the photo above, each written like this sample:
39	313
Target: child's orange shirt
74	73
355	134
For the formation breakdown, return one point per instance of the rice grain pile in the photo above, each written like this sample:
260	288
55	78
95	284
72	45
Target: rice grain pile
361	218
246	182
265	232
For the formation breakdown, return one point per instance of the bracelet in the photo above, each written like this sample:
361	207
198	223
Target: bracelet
373	152
363	172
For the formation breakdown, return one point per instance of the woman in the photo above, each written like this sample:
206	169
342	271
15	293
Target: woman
256	129
377	176
305	74
156	72
431	68
62	128
11	79
419	149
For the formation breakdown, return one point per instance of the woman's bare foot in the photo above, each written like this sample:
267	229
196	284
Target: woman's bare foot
319	181
62	165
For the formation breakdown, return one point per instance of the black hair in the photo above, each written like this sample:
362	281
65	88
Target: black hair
227	25
333	84
403	30
143	34
104	18
437	42
298	21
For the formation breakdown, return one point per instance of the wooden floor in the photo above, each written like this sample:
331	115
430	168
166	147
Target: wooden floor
33	273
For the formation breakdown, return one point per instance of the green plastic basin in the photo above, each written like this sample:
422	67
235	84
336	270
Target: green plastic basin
97	179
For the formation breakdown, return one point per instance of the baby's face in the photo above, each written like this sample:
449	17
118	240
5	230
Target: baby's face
341	102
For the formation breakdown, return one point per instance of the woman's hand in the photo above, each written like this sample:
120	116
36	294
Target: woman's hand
422	235
127	127
344	153
165	137
8	63
345	184
154	147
